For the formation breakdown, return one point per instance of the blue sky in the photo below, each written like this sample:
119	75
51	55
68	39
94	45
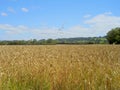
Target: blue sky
43	19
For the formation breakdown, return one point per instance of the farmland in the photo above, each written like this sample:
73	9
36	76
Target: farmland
60	67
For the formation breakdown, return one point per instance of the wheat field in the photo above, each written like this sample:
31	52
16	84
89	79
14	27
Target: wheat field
60	67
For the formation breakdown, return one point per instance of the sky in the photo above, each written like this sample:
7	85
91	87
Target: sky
43	19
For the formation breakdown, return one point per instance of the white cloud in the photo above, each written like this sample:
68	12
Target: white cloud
10	9
79	31
108	13
4	14
98	25
24	9
87	16
102	23
13	29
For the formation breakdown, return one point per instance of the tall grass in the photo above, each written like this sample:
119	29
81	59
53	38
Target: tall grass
71	67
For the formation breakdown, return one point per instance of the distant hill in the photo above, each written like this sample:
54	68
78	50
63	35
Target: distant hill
77	40
83	40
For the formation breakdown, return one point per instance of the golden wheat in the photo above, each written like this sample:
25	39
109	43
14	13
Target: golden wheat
60	67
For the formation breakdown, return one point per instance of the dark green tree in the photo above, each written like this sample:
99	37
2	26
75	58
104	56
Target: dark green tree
51	41
113	36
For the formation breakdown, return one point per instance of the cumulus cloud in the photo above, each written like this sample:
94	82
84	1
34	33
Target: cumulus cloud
24	9
98	25
102	23
4	14
13	29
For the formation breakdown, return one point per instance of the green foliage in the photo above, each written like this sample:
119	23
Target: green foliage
51	41
80	40
25	83
29	42
113	36
83	40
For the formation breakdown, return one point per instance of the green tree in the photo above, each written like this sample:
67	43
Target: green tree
51	41
113	36
34	42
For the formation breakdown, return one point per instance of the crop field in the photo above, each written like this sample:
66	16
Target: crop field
60	67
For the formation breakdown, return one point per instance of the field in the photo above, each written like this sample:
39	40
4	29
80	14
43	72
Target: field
60	67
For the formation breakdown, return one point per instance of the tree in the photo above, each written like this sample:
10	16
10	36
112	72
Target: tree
51	41
34	42
113	36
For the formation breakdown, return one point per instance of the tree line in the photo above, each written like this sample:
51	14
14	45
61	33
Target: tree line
80	40
28	42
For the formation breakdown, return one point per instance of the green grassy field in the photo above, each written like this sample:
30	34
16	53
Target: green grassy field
60	67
